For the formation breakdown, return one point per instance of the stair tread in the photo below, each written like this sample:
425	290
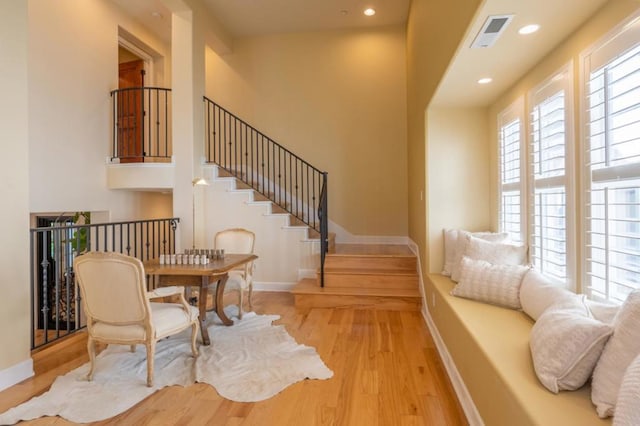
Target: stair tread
369	271
309	286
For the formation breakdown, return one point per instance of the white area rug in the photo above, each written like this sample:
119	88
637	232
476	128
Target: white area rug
249	361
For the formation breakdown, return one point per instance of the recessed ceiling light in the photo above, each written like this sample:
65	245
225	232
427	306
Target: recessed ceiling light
529	29
344	12
485	80
370	11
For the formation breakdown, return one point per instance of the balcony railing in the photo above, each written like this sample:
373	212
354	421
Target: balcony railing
141	124
55	302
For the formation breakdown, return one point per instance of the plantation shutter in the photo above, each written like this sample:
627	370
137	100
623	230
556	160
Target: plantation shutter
613	170
548	242
510	216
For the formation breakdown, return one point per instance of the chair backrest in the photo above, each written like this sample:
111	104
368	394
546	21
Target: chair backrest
113	287
236	240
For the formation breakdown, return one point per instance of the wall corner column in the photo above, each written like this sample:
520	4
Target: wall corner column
188	86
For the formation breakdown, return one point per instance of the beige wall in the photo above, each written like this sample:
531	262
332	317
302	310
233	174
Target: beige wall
434	30
73	65
593	29
336	99
458	165
14	175
55	121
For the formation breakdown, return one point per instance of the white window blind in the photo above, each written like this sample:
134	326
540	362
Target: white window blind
612	264
549	143
510	135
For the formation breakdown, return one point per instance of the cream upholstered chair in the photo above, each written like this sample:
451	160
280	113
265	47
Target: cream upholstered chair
238	241
118	308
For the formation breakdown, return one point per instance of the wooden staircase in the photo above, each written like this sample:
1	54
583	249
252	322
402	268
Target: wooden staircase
365	276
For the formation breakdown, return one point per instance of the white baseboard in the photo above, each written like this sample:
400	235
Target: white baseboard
459	387
15	374
470	410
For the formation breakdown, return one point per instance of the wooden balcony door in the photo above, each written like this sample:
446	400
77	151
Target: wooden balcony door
131	112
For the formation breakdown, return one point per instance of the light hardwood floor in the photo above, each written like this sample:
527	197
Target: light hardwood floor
386	372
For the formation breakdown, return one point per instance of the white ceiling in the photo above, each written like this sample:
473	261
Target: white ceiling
513	54
258	17
505	62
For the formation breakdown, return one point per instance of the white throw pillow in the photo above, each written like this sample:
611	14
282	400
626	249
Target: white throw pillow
565	346
499	253
489	283
538	293
628	404
455	243
621	349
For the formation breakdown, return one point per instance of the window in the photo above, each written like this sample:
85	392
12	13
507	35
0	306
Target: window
511	182
550	197
612	148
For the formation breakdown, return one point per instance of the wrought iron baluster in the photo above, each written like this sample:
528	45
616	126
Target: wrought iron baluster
142	126
121	242
128	239
56	279
166	123
105	235
45	290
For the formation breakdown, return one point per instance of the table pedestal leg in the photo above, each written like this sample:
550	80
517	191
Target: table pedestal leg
219	300
202	304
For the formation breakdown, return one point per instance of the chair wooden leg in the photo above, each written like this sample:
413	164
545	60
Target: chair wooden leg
151	349
133	348
91	348
251	297
195	329
240	303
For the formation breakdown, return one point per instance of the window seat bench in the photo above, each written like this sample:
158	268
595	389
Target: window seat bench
486	350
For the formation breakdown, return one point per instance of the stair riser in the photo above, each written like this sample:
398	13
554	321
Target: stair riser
403	264
370	281
306	301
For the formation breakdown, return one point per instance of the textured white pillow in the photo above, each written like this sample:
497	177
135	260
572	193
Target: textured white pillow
628	404
489	283
455	244
538	293
621	349
565	347
499	253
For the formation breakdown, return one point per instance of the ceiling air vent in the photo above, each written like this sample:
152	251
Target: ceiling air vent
491	30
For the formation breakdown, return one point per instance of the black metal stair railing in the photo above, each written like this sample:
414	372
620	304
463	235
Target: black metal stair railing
141	124
269	169
55	302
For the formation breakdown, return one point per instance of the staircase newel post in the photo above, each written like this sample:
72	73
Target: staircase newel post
324	226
